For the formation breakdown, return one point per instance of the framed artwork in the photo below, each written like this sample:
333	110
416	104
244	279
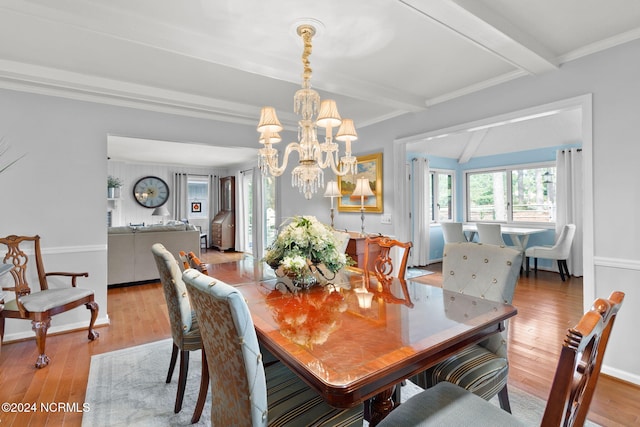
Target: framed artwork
196	207
370	167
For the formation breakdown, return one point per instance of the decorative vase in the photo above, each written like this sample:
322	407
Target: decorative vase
304	280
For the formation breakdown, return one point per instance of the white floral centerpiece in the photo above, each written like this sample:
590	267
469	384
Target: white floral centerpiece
304	242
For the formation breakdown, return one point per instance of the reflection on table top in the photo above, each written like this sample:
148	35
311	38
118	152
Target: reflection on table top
350	350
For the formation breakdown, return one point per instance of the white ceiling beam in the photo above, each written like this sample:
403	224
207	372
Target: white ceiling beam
483	27
472	145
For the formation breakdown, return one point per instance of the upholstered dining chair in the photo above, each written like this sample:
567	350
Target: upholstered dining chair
559	251
244	391
486	271
39	306
452	232
571	392
185	329
490	234
342	237
382	264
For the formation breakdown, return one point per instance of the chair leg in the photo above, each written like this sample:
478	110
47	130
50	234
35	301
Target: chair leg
563	264
172	364
527	265
535	265
503	397
561	269
93	306
204	388
40	328
182	379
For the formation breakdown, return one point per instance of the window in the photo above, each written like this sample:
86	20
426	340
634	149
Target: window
269	219
524	195
441	203
198	197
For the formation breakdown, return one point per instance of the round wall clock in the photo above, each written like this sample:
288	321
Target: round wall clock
151	192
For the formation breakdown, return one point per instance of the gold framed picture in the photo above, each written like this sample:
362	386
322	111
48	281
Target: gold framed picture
370	167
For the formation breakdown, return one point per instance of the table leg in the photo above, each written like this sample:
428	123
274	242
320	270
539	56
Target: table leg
381	405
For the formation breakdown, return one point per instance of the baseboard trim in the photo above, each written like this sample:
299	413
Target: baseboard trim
56	330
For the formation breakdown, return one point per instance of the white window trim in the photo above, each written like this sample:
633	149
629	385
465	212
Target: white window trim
507	168
451	172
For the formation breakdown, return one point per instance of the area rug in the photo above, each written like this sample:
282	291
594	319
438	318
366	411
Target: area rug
127	388
413	272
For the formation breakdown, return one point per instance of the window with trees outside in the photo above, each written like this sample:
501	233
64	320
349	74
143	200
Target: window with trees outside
198	196
519	195
441	203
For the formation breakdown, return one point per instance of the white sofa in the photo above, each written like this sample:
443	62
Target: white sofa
129	255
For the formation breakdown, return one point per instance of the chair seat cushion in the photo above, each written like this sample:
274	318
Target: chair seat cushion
475	369
38	302
447	405
292	402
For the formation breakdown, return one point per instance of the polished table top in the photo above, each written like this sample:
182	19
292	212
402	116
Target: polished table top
350	353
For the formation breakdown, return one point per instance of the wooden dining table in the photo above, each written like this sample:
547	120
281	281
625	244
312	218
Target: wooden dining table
353	337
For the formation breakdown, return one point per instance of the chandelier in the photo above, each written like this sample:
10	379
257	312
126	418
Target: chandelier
314	156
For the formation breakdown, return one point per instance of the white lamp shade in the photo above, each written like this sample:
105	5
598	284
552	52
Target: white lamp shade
328	117
274	137
269	121
362	188
347	131
332	189
161	211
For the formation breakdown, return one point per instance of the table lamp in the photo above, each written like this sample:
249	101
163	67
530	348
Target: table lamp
332	191
363	189
162	212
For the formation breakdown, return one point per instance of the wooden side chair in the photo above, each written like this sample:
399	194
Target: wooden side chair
195	263
40	305
184	261
185	329
382	264
486	271
571	391
245	392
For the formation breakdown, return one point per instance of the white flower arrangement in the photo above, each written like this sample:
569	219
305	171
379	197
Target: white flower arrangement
304	241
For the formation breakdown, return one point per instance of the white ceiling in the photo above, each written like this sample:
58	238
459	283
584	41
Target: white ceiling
224	59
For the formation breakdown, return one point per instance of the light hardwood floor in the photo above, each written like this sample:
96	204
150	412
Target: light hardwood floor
546	308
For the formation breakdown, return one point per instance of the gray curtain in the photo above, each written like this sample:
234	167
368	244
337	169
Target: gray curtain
179	201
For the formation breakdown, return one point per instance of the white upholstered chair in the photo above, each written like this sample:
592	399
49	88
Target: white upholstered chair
559	251
490	234
486	271
452	232
447	405
244	391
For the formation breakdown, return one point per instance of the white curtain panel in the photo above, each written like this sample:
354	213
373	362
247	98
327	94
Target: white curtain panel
179	201
420	208
241	212
258	214
569	202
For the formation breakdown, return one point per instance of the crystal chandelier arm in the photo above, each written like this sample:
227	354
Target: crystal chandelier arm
272	162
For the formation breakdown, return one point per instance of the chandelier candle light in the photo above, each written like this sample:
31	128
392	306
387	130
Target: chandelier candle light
332	191
363	189
314	156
